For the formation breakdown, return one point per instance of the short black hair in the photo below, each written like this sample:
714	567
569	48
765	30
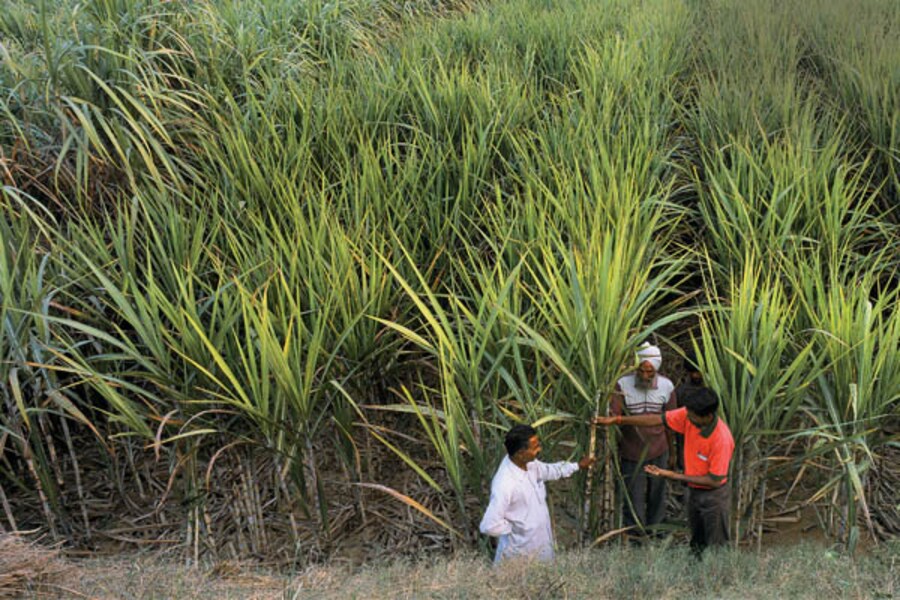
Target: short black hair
517	438
690	362
702	402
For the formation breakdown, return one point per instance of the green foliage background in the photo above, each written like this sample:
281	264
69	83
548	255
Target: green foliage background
310	233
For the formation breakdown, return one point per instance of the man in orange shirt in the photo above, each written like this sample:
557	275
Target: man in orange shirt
708	447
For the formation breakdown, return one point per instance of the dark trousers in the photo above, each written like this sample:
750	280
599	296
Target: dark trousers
708	512
644	502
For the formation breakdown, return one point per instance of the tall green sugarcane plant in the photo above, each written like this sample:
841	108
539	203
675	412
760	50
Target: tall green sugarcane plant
469	339
853	319
592	312
25	296
39	402
752	356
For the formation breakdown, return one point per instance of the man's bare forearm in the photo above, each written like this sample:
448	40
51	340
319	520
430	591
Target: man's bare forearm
649	420
709	481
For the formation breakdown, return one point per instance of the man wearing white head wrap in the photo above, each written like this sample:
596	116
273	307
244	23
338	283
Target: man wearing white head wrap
651	354
644	392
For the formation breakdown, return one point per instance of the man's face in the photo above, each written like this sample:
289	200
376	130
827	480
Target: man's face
530	452
698	421
696	377
645	374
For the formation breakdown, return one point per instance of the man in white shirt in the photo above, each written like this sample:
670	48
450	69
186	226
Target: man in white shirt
518	514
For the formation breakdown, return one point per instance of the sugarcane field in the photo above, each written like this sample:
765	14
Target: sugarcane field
450	299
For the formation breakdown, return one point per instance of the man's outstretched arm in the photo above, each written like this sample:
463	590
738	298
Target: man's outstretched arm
646	420
553	471
709	480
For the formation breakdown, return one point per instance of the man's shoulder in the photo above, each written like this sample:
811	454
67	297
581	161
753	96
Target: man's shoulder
677	413
501	468
625	380
722	432
507	473
663	382
675	417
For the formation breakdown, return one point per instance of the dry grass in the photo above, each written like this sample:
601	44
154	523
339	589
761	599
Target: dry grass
803	571
148	576
661	571
28	568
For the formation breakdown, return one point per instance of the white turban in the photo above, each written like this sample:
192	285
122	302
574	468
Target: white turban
651	354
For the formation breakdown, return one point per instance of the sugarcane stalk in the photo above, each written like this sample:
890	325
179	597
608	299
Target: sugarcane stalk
8	510
316	490
282	482
78	485
129	457
258	505
51	450
45	502
589	477
196	540
188	536
762	508
236	511
609	487
245	500
210	538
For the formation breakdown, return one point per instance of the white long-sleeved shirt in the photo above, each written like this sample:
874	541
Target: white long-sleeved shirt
518	513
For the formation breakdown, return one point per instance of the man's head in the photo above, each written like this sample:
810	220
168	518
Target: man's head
649	360
644	374
691	368
701	406
522	444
